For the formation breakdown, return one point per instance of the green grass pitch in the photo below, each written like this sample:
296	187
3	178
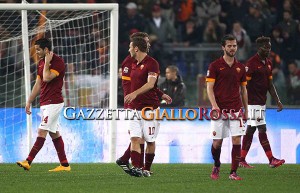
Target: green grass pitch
89	178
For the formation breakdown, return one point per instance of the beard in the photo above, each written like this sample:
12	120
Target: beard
230	54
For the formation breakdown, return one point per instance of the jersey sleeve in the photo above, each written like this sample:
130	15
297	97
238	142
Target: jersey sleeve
249	70
243	77
211	73
57	66
270	68
153	69
126	66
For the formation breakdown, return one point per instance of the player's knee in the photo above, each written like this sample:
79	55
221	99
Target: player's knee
250	130
42	133
262	128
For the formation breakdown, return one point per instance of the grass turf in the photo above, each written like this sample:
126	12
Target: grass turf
88	178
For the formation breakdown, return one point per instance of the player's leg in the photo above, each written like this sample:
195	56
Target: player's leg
246	144
60	149
264	141
38	144
217	134
149	157
150	133
135	131
44	127
235	157
123	161
237	129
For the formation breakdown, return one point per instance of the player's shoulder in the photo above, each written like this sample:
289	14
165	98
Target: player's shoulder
128	61
216	62
57	59
253	60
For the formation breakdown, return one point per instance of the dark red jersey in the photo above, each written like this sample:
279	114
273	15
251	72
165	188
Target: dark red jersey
51	92
259	73
126	70
227	83
139	76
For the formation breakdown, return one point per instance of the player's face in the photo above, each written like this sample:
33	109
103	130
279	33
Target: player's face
39	51
230	48
132	50
265	50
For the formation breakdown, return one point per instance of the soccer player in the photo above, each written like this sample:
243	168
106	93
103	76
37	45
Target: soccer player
49	82
144	76
259	76
123	161
226	89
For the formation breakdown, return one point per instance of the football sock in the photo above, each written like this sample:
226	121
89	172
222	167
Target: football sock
265	144
135	159
35	149
216	155
126	155
149	157
60	149
247	141
235	157
142	155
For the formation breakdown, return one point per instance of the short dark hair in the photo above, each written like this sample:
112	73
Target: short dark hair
44	43
173	68
139	34
261	41
227	37
140	43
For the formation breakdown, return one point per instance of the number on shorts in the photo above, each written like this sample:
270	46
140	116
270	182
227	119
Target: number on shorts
151	130
45	119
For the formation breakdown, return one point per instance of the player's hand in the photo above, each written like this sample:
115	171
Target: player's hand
215	113
129	98
27	108
167	98
280	106
48	57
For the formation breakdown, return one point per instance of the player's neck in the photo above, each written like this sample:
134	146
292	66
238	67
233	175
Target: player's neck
229	60
140	57
260	56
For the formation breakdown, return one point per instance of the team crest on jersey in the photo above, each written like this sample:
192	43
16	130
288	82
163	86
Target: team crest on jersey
246	68
207	74
238	70
142	66
125	70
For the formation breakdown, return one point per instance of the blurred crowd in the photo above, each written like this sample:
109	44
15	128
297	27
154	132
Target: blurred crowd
190	23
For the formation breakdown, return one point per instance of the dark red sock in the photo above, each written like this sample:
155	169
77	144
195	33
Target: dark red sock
60	149
247	141
142	155
36	148
135	159
126	155
149	157
263	139
216	155
235	157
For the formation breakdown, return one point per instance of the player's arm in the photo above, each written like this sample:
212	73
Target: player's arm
273	93
146	87
49	74
34	93
244	98
163	96
211	94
